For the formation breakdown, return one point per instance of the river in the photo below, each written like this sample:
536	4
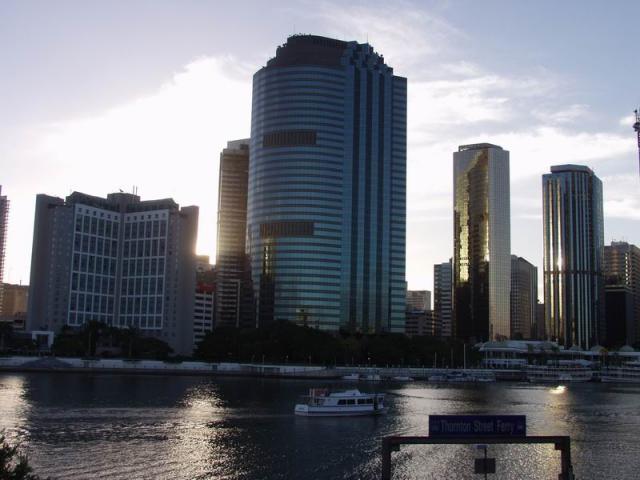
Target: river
82	426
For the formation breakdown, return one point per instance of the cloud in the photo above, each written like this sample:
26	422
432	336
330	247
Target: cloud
455	100
406	34
166	143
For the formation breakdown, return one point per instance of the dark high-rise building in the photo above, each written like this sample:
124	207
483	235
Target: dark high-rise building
524	298
326	212
620	328
573	251
420	323
231	285
116	260
539	333
4	225
622	269
482	243
204	307
442	291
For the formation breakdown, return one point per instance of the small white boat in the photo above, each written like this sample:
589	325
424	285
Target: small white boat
321	403
373	377
351	376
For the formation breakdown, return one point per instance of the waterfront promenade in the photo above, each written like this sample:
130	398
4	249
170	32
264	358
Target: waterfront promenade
66	364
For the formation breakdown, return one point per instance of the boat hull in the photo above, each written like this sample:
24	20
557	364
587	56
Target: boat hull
332	413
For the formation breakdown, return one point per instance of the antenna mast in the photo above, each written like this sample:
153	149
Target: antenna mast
636	127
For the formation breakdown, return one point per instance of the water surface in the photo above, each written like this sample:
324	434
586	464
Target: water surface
79	426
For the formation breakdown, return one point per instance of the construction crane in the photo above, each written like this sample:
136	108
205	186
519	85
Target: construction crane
636	127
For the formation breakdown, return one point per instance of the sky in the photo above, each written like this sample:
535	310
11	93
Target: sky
98	96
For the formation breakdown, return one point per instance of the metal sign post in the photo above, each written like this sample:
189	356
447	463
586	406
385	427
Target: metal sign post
479	429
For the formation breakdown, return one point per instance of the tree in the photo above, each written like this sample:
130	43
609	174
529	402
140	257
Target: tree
14	464
6	332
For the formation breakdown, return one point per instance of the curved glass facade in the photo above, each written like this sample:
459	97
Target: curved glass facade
573	254
326	199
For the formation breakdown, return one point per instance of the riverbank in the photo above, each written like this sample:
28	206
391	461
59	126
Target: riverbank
156	367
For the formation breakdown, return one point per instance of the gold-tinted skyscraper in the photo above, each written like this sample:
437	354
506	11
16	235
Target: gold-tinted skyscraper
482	243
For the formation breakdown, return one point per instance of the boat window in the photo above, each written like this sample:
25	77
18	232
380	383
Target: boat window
342	402
351	401
369	400
362	401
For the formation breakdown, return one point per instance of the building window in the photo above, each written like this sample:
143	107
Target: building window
289	138
286	229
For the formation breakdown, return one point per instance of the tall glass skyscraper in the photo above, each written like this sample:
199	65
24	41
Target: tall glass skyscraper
326	202
573	253
482	243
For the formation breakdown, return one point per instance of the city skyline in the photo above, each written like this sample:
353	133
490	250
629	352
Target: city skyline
458	91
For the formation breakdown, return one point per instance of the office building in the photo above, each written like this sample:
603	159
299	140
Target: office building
418	300
4	225
14	305
524	298
420	323
204	308
327	180
482	243
231	284
573	256
116	260
442	298
620	328
622	268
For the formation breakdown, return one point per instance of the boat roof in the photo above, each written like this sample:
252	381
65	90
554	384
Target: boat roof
350	393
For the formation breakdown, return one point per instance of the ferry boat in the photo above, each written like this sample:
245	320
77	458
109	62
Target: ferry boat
629	372
322	403
563	372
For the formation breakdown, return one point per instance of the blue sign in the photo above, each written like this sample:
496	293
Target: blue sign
477	425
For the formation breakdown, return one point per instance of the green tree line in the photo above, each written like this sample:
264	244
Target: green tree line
285	342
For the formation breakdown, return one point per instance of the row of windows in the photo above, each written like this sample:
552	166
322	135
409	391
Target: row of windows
95	245
286	229
141	306
144	322
96	226
92	283
352	401
92	264
145	248
142	286
142	267
77	319
147	229
91	303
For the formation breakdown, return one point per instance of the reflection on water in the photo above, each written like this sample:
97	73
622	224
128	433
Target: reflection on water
121	427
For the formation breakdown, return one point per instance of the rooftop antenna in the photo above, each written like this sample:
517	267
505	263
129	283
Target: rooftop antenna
636	127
